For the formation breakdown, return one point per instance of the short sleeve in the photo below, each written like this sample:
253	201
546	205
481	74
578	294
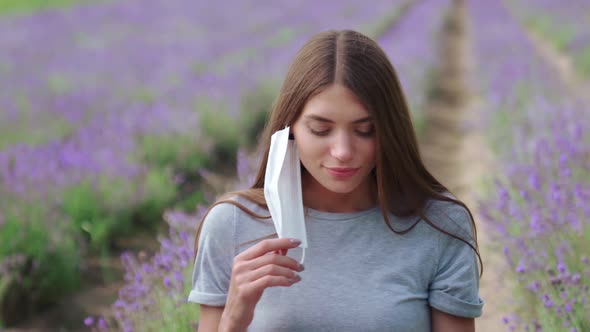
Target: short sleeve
455	286
216	250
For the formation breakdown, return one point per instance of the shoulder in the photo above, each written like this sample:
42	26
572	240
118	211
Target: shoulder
239	215
450	217
230	207
219	218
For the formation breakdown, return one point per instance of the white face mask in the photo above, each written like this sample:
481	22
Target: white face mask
282	188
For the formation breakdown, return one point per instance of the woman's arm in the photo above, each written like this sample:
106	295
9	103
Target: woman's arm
443	322
209	318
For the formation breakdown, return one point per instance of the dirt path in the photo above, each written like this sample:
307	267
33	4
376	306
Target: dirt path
454	150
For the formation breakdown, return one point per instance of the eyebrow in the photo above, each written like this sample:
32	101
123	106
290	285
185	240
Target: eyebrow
322	119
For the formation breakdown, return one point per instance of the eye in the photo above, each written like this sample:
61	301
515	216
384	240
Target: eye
319	129
320	132
366	132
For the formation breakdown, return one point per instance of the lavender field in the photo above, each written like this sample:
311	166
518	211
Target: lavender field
538	204
117	116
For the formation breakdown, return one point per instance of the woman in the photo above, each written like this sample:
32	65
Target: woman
390	249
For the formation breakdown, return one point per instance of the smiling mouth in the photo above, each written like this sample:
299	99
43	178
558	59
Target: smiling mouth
342	172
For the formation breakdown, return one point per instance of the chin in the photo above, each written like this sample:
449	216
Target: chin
342	188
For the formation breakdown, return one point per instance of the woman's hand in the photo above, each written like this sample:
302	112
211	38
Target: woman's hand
261	266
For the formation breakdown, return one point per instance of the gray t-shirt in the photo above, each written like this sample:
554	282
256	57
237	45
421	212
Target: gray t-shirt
359	275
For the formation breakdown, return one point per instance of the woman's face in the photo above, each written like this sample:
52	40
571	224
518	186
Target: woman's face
336	141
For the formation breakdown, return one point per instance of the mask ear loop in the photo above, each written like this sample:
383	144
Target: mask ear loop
302	257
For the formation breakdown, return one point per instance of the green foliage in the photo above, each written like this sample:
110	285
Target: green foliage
158	192
419	123
57	272
51	258
13	133
172	311
199	68
282	37
377	28
24	232
582	61
545	25
84	205
29	128
532	307
190	202
58	84
103	211
114	207
175	317
500	136
234	59
224	131
181	152
5	68
503	120
256	106
560	36
564	244
143	94
182	155
230	132
28	6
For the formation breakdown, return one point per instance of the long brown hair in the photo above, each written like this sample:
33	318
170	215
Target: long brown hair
355	61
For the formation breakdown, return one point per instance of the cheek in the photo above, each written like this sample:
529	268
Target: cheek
309	148
307	143
371	152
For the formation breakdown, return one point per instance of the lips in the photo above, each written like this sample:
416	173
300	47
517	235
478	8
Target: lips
339	172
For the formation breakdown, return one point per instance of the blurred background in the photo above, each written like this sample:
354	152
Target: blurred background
121	120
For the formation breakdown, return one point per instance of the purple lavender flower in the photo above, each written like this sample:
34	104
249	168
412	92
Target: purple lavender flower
534	286
547	301
167	282
89	321
541	158
520	268
102	324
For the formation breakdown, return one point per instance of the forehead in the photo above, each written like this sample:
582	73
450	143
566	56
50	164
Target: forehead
336	103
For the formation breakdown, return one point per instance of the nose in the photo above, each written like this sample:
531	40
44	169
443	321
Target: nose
342	147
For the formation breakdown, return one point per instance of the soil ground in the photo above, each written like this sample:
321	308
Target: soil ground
454	150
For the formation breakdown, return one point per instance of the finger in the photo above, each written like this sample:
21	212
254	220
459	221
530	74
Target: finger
270	270
281	252
266	246
270	281
273	259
